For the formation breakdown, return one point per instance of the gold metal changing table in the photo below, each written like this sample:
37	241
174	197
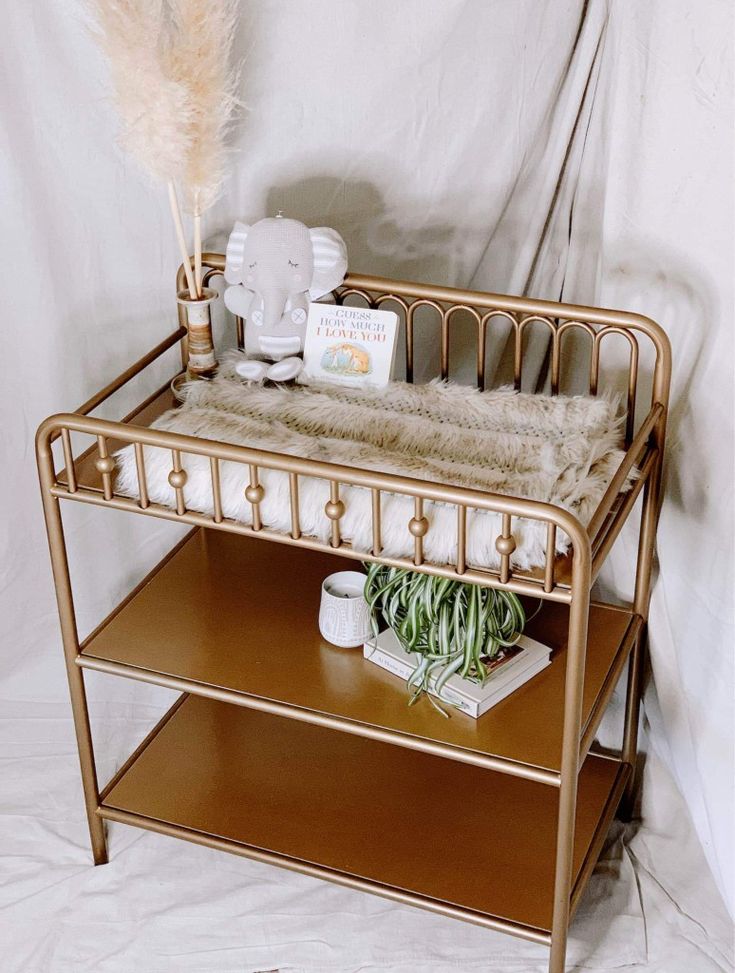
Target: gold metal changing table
317	774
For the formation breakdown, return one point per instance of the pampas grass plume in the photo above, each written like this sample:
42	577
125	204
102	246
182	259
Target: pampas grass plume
198	59
155	110
175	93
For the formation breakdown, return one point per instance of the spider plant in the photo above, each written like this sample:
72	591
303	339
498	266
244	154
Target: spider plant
453	626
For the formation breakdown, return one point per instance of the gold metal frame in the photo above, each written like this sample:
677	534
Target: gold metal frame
567	582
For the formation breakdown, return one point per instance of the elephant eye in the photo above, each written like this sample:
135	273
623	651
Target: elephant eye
292	264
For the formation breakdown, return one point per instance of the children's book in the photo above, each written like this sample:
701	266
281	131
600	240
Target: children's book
352	346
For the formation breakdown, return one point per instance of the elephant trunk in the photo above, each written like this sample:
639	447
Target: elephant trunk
274	304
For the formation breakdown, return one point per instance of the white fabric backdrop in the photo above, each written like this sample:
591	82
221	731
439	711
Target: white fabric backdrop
562	148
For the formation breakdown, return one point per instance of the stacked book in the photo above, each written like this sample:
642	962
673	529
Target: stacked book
507	672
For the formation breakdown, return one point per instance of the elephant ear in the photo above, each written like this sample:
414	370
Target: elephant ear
235	251
330	261
238	300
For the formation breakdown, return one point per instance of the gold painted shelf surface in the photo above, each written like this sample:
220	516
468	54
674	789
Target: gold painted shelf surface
228	612
406	821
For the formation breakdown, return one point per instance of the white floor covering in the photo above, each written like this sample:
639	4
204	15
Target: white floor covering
166	906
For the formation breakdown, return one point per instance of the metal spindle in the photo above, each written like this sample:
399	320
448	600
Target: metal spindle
481	336
254	494
105	465
71	473
595	363
177	478
555	360
143	500
418	525
550	557
632	373
461	539
479	321
505	545
216	490
445	345
377	539
517	356
557	350
632	389
334	509
293	493
410	331
409	346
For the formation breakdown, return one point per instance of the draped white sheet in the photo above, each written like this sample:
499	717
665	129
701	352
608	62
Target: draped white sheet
564	149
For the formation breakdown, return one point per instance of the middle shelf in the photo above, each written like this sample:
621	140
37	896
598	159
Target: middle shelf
226	614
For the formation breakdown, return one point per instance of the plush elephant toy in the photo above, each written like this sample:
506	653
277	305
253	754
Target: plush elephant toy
275	267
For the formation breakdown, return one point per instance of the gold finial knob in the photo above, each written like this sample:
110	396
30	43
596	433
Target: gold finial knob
254	493
418	526
105	464
177	479
505	545
334	509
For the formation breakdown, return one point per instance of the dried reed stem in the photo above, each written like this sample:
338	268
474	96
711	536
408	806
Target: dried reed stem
197	246
186	260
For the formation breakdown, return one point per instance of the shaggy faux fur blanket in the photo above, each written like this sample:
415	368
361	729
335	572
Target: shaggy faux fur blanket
557	449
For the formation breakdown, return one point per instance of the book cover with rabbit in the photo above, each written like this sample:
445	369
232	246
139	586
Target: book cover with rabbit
349	345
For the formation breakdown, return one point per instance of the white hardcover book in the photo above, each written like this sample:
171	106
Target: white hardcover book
352	346
522	678
530	658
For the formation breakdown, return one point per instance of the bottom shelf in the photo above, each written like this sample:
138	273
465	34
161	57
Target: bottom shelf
422	829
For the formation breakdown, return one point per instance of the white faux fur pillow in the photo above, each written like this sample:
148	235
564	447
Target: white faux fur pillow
557	449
